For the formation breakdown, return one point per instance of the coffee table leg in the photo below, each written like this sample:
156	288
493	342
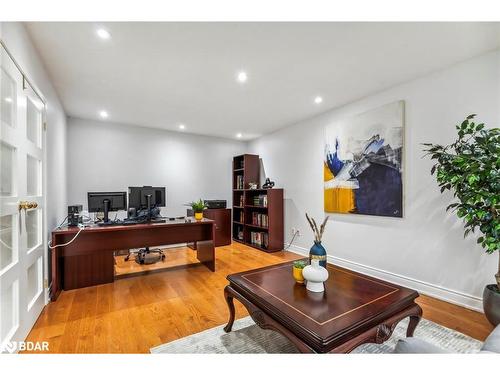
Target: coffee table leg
230	304
414	320
263	320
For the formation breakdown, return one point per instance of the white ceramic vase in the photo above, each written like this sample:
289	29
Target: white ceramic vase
315	275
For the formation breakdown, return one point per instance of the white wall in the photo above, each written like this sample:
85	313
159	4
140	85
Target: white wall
111	157
426	249
20	46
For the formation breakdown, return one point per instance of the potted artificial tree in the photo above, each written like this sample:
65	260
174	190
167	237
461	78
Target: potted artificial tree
470	167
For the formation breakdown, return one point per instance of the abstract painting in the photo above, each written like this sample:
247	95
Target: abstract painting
363	170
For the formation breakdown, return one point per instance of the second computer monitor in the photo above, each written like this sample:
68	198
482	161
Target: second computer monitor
138	197
106	202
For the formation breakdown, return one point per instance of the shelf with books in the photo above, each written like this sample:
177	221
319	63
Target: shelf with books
257	218
257	227
258	213
259	239
238	232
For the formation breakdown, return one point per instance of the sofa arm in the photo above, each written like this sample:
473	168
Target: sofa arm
492	342
412	345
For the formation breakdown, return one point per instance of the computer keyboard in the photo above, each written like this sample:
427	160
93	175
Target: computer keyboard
117	222
129	222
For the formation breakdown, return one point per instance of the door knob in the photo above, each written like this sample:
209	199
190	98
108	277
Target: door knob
25	205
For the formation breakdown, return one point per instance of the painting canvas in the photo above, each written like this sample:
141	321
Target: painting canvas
363	166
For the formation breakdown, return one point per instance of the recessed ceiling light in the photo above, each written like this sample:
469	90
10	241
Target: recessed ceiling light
103	114
242	77
318	100
239	135
103	34
8	99
182	126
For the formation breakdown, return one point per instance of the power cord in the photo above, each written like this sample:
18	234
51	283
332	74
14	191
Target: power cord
81	228
291	242
60	225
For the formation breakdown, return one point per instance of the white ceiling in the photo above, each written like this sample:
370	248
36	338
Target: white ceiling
162	74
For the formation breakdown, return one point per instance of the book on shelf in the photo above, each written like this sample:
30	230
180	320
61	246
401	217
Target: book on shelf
259	239
261	220
260	200
242	217
242	200
239	182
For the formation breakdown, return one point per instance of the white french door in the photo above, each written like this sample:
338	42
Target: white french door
22	234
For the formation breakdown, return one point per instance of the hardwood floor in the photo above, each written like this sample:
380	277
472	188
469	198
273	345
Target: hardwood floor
134	314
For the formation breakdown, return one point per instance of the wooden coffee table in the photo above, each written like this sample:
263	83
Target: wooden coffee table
354	309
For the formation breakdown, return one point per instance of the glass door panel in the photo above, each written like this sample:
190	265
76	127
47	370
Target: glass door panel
8	97
8	241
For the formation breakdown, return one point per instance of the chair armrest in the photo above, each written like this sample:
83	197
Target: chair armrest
492	342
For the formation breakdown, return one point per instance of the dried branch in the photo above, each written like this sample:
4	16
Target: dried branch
311	224
318	233
322	228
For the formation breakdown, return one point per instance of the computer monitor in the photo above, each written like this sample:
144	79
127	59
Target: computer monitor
106	202
146	197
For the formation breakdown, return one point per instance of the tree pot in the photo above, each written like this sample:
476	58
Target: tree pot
198	215
491	303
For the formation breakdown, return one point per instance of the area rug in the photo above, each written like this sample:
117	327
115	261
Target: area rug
247	337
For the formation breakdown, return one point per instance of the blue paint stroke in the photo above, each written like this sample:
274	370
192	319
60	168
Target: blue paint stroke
333	161
380	191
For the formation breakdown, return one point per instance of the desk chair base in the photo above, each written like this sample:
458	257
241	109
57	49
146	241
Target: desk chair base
147	256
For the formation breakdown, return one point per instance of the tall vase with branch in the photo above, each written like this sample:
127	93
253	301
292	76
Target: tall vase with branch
470	168
317	250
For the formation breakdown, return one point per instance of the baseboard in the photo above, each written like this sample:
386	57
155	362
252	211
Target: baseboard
436	291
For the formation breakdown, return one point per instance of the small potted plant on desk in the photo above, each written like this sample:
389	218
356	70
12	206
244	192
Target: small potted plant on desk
198	208
470	167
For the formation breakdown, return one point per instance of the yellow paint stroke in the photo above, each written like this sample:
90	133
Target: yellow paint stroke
337	200
327	173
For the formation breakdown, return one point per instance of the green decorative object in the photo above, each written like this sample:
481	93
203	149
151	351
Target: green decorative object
300	264
470	168
198	207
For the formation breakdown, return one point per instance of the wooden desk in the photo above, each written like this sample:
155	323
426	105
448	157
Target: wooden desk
89	259
354	309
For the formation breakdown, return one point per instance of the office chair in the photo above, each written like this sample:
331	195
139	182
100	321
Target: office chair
146	255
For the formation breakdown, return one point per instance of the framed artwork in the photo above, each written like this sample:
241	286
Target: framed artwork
363	164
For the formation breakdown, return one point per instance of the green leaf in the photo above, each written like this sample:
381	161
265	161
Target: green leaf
470	168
